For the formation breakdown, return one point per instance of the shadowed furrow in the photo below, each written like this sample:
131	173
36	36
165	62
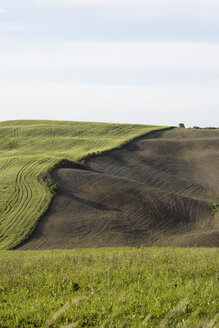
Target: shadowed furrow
29	150
156	190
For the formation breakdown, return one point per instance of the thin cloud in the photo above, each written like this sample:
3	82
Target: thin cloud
134	2
108	55
151	8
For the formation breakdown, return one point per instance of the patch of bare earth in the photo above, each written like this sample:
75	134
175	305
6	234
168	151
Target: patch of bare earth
157	190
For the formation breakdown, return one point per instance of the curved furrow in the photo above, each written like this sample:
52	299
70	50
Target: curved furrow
8	162
20	199
155	190
23	201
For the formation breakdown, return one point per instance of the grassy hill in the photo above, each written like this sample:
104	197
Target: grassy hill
29	149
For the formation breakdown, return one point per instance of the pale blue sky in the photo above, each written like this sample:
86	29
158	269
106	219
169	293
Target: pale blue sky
140	61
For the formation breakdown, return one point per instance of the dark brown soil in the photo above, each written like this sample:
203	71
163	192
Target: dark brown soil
157	190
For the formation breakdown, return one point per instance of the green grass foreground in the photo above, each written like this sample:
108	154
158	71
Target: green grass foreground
29	149
114	287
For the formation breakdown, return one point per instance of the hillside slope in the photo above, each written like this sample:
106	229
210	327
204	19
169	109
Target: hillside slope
157	190
29	149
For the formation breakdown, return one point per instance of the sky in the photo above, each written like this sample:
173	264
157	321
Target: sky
128	61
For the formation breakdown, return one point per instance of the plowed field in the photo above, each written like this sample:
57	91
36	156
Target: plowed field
28	152
160	189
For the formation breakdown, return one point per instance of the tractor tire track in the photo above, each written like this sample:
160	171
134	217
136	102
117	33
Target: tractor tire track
155	190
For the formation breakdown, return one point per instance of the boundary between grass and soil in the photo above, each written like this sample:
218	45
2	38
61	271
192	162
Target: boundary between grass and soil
81	165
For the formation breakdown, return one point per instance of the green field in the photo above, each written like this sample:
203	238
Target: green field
29	149
123	287
114	287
